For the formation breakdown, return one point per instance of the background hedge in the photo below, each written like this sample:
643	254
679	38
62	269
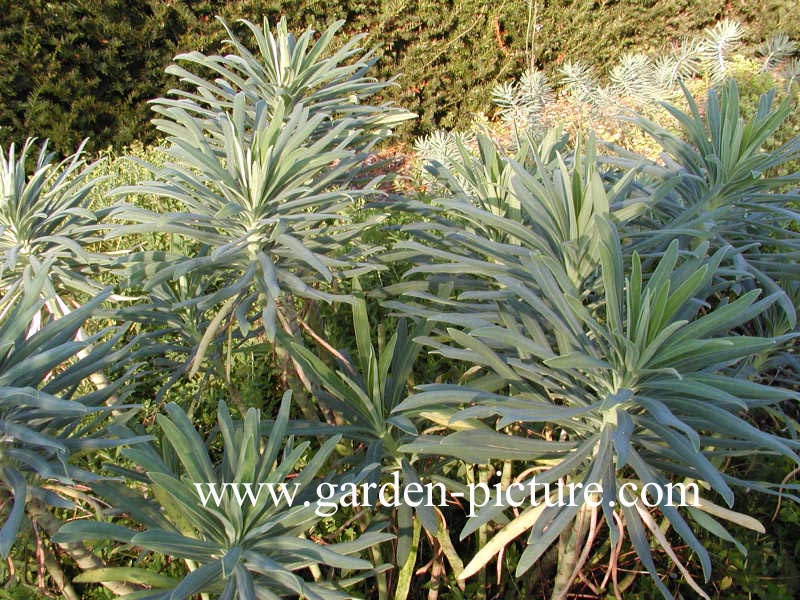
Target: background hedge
87	68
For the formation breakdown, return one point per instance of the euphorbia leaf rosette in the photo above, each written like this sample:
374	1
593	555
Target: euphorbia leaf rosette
253	548
633	387
47	225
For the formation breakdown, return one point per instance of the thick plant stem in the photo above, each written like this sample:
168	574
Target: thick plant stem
570	544
293	375
77	551
437	572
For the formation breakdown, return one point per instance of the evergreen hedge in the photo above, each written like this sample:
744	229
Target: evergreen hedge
87	67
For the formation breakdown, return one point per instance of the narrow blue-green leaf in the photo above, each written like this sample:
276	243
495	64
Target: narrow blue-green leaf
8	533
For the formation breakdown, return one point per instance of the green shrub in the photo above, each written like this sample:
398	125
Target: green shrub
70	70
